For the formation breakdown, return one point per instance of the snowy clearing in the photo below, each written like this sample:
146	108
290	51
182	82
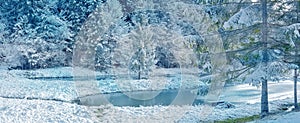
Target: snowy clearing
50	101
292	117
40	111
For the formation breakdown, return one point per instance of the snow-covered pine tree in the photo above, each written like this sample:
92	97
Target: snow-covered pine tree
247	49
43	31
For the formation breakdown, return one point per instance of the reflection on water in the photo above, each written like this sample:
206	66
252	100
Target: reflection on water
118	98
165	97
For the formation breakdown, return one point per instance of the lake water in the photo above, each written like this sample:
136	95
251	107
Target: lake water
161	97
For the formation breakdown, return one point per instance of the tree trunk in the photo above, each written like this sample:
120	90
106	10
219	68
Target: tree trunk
297	3
295	90
264	88
264	99
295	70
139	73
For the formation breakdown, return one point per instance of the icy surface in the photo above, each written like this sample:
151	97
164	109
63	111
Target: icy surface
251	94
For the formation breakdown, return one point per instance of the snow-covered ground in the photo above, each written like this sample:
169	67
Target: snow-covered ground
14	84
41	111
180	114
251	94
27	100
293	117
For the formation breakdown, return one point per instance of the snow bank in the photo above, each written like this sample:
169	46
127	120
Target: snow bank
16	87
49	72
292	117
37	111
181	114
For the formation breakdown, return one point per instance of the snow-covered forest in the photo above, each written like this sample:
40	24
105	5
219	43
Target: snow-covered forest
148	60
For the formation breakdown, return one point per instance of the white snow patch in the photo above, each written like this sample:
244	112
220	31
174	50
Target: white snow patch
244	18
292	117
37	111
181	114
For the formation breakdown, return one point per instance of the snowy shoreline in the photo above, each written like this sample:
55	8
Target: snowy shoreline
16	110
183	113
52	103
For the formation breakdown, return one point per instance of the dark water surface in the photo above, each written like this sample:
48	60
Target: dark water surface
162	97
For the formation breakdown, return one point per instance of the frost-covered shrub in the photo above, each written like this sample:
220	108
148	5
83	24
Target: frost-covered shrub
103	54
203	90
35	53
11	57
132	28
165	58
225	105
244	18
